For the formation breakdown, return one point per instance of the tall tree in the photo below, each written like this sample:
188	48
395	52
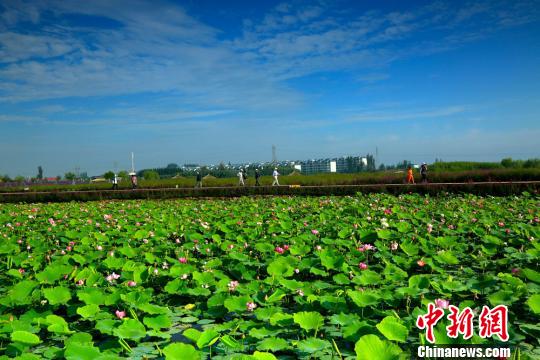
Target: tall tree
40	173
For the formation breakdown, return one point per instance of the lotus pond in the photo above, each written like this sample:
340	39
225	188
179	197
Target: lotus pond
262	278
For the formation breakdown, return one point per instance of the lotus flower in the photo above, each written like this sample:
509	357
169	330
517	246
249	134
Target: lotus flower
315	232
388	211
421	263
21	271
184	276
131	283
279	250
501	224
286	247
232	285
362	266
120	314
429	228
318	247
80	282
443	304
515	271
394	246
52	222
182	260
99	247
251	306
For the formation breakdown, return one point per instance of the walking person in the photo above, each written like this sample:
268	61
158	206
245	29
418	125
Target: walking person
257	176
199	180
133	180
241	178
275	175
115	182
423	172
410	177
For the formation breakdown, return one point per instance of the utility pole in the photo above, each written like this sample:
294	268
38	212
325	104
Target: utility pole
132	163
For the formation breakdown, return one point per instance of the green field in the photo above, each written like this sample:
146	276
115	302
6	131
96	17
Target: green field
380	177
263	278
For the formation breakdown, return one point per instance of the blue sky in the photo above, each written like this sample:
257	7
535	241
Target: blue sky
82	84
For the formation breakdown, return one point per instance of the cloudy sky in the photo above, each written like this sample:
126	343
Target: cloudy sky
84	83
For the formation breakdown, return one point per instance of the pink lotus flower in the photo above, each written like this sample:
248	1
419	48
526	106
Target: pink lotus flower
286	247
156	271
120	314
72	243
182	260
177	241
474	220
52	222
279	250
21	271
251	306
536	219
232	285
318	247
107	217
80	282
421	263
131	283
315	232
19	241
68	248
388	211
110	278
429	228
362	266
394	246
507	231
296	271
99	247
443	304
355	226
501	224
515	271
305	224
231	246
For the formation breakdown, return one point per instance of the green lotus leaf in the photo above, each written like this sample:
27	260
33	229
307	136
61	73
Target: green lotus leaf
57	295
131	329
309	320
25	337
392	329
273	344
371	347
179	351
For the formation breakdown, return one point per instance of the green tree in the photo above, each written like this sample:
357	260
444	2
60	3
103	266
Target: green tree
507	162
40	173
70	176
109	175
123	175
151	175
19	179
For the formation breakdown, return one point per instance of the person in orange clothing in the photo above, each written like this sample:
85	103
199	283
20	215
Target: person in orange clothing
410	177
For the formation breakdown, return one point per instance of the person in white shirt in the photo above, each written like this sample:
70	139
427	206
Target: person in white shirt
275	174
115	182
241	178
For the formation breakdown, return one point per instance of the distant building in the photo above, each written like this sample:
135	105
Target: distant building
333	165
